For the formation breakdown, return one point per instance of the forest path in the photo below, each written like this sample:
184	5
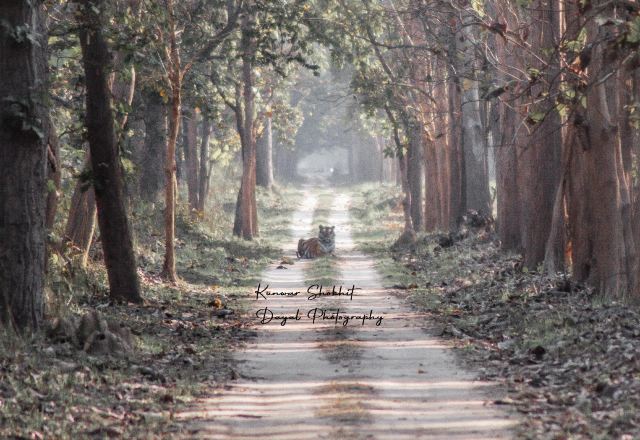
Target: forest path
325	381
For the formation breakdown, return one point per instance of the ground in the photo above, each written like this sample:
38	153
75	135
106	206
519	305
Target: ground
471	344
325	379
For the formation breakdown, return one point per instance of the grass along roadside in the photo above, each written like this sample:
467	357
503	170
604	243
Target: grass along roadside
570	360
181	336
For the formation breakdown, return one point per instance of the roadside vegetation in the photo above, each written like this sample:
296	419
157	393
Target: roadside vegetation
569	358
154	358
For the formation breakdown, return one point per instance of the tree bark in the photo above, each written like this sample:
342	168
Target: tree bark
23	149
190	142
54	177
541	149
81	222
153	155
414	174
603	250
506	158
454	158
264	165
117	243
476	181
204	174
245	225
175	80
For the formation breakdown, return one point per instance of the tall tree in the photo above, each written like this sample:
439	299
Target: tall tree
176	71
603	249
245	224
81	221
540	155
107	177
23	147
257	48
174	76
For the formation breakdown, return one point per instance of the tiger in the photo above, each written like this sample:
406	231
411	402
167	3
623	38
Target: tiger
323	244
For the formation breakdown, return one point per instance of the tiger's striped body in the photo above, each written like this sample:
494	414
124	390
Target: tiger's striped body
323	244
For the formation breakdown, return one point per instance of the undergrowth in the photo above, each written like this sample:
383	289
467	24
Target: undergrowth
182	333
570	359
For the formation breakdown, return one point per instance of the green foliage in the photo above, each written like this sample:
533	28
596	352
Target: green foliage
535	117
633	33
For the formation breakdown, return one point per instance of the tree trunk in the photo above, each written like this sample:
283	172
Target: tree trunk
204	174
171	184
507	184
54	177
541	151
81	222
379	157
245	225
442	166
134	143
432	193
506	158
455	154
473	141
414	174
264	165
406	202
474	147
153	156
190	142
107	174
603	249
435	148
23	149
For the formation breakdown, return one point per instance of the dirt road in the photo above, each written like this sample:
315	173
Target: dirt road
323	380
